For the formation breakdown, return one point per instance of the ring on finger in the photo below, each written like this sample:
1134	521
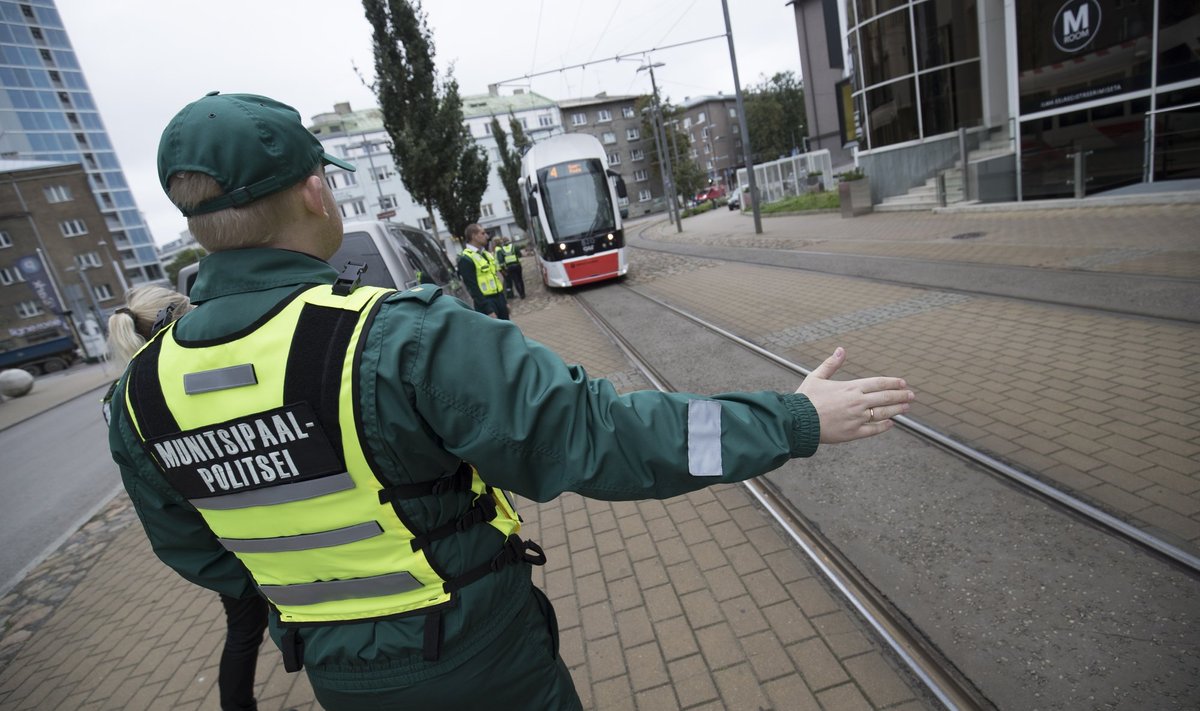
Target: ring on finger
870	414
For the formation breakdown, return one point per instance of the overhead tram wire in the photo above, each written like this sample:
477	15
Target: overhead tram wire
678	20
617	58
537	35
603	31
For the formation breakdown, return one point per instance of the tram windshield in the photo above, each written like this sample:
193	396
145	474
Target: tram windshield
576	198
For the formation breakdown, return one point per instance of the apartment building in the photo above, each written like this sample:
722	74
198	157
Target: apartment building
375	190
47	114
616	122
57	272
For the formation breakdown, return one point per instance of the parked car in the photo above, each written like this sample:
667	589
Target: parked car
397	257
712	192
735	201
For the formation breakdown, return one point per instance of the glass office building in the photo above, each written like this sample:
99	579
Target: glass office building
1109	89
47	113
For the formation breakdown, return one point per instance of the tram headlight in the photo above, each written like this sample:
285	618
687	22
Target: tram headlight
562	246
610	236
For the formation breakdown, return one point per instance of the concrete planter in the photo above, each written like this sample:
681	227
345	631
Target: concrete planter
855	197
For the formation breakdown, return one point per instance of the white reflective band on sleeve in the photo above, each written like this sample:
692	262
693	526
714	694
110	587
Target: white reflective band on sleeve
704	438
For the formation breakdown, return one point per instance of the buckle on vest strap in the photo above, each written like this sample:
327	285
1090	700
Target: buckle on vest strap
349	279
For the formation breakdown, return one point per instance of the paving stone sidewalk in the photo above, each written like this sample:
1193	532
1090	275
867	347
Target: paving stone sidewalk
1103	405
654	613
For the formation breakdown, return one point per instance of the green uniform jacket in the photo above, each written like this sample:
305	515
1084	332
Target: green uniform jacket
443	383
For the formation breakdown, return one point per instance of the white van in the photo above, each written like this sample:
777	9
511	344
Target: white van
397	257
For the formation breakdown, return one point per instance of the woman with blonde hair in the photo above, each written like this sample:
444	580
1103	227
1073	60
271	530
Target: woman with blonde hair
147	310
133	324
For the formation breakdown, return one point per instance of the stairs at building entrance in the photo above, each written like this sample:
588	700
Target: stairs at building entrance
925	197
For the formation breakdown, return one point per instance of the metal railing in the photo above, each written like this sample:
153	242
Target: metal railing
789	177
1152	160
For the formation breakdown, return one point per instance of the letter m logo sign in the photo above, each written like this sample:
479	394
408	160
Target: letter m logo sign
1074	21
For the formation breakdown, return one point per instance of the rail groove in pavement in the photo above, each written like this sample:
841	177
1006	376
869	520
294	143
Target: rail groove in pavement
921	657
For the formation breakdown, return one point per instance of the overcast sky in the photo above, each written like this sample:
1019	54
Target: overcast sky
145	59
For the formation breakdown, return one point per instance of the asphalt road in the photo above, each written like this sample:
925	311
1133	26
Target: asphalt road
1037	608
55	472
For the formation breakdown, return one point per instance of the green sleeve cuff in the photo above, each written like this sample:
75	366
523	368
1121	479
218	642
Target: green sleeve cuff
805	433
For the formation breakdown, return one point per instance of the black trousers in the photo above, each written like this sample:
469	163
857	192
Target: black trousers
245	622
514	280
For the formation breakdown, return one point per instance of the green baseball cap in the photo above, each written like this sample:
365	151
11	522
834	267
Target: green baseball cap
251	145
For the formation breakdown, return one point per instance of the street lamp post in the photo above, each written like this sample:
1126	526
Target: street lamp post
741	109
668	178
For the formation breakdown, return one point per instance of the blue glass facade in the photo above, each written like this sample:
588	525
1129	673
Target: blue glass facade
47	113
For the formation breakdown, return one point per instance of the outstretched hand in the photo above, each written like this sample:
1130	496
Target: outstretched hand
853	409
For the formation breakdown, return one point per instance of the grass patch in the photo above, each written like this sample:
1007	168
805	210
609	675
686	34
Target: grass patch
804	203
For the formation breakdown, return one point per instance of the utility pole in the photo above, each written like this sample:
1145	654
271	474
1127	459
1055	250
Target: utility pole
668	178
367	146
741	109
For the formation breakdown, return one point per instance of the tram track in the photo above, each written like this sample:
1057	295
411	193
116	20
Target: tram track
926	637
1026	481
917	653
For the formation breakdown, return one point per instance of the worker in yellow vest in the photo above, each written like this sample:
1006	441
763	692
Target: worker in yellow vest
480	273
509	256
344	450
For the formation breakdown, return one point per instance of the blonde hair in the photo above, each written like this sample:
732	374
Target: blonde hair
129	326
256	224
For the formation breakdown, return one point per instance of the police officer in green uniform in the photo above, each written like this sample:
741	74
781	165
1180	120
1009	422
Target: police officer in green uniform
509	256
480	272
343	450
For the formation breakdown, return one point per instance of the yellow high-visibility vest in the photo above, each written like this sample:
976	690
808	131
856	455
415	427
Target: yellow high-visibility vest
259	433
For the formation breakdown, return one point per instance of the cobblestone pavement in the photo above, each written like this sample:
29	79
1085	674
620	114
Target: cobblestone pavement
1104	405
654	612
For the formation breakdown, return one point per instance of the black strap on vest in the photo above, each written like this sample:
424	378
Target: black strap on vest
458	480
314	364
146	395
433	636
482	511
292	647
513	551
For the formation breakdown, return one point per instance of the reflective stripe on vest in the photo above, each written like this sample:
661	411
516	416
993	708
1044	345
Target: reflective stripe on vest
485	271
509	252
277	468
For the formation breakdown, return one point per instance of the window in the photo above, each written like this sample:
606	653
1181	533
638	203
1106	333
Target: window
609	137
73	228
57	193
578	119
10	275
507	207
487	129
632	134
603	116
687	122
545	120
29	309
733	114
701	118
425	223
614	158
382	174
524	122
627	111
89	259
5	240
641	175
340	179
352	208
637	154
387	202
643	196
485	210
103	292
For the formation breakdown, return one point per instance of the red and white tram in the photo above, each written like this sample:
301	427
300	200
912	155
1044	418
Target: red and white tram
570	200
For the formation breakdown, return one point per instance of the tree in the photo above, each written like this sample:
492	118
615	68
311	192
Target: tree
510	164
689	177
423	117
775	116
458	201
181	260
